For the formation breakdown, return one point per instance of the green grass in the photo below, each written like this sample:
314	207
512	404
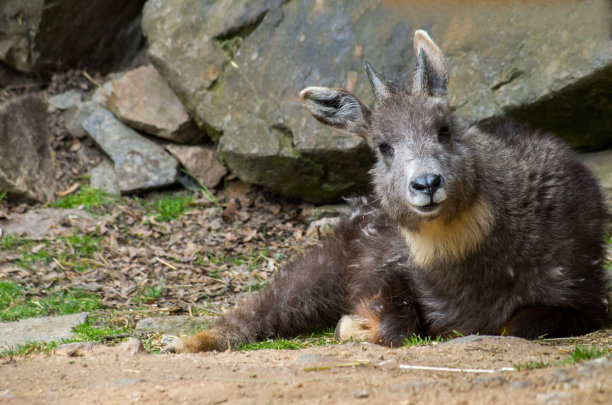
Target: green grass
15	302
96	330
206	193
81	248
28	348
608	263
251	261
531	365
168	208
150	294
579	354
10	241
418	340
92	200
73	251
316	339
582	353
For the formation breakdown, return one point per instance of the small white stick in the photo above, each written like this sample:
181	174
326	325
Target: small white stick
456	370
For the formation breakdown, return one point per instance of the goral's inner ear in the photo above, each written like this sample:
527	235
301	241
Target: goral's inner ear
337	108
381	89
431	73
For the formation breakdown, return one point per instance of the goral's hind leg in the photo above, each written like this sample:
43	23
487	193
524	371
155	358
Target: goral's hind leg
534	322
303	296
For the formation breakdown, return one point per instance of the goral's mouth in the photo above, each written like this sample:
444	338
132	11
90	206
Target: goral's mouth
428	209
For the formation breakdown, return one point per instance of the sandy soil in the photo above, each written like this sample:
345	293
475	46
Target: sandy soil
350	373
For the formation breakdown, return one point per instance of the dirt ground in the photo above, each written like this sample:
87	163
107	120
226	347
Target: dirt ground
208	260
349	373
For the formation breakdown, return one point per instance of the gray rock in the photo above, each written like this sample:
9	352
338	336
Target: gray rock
27	166
520	384
139	163
142	100
327	211
66	100
74	349
475	338
132	346
310	358
44	223
128	381
45	35
75	115
200	162
171	325
601	165
322	227
103	177
47	329
239	74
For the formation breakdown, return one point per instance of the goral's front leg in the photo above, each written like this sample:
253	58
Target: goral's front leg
385	318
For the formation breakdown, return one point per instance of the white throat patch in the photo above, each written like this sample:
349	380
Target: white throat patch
440	242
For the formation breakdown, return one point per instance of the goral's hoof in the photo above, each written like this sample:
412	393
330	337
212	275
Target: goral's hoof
353	327
173	345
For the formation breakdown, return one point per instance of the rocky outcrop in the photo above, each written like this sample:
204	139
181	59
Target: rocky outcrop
143	100
46	35
27	167
139	163
239	65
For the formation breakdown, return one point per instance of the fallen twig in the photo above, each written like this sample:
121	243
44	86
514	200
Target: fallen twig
117	336
353	364
456	370
91	79
217	293
165	263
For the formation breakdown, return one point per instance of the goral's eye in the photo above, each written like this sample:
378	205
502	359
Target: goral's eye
444	133
385	149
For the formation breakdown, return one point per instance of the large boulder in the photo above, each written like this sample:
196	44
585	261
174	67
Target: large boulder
27	166
46	35
239	65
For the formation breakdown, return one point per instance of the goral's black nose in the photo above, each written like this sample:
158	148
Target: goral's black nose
426	184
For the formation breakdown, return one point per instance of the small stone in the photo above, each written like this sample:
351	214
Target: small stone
310	358
362	394
132	346
170	325
128	381
520	384
74	349
66	100
321	227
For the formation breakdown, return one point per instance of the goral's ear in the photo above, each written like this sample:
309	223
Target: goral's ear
431	74
338	109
